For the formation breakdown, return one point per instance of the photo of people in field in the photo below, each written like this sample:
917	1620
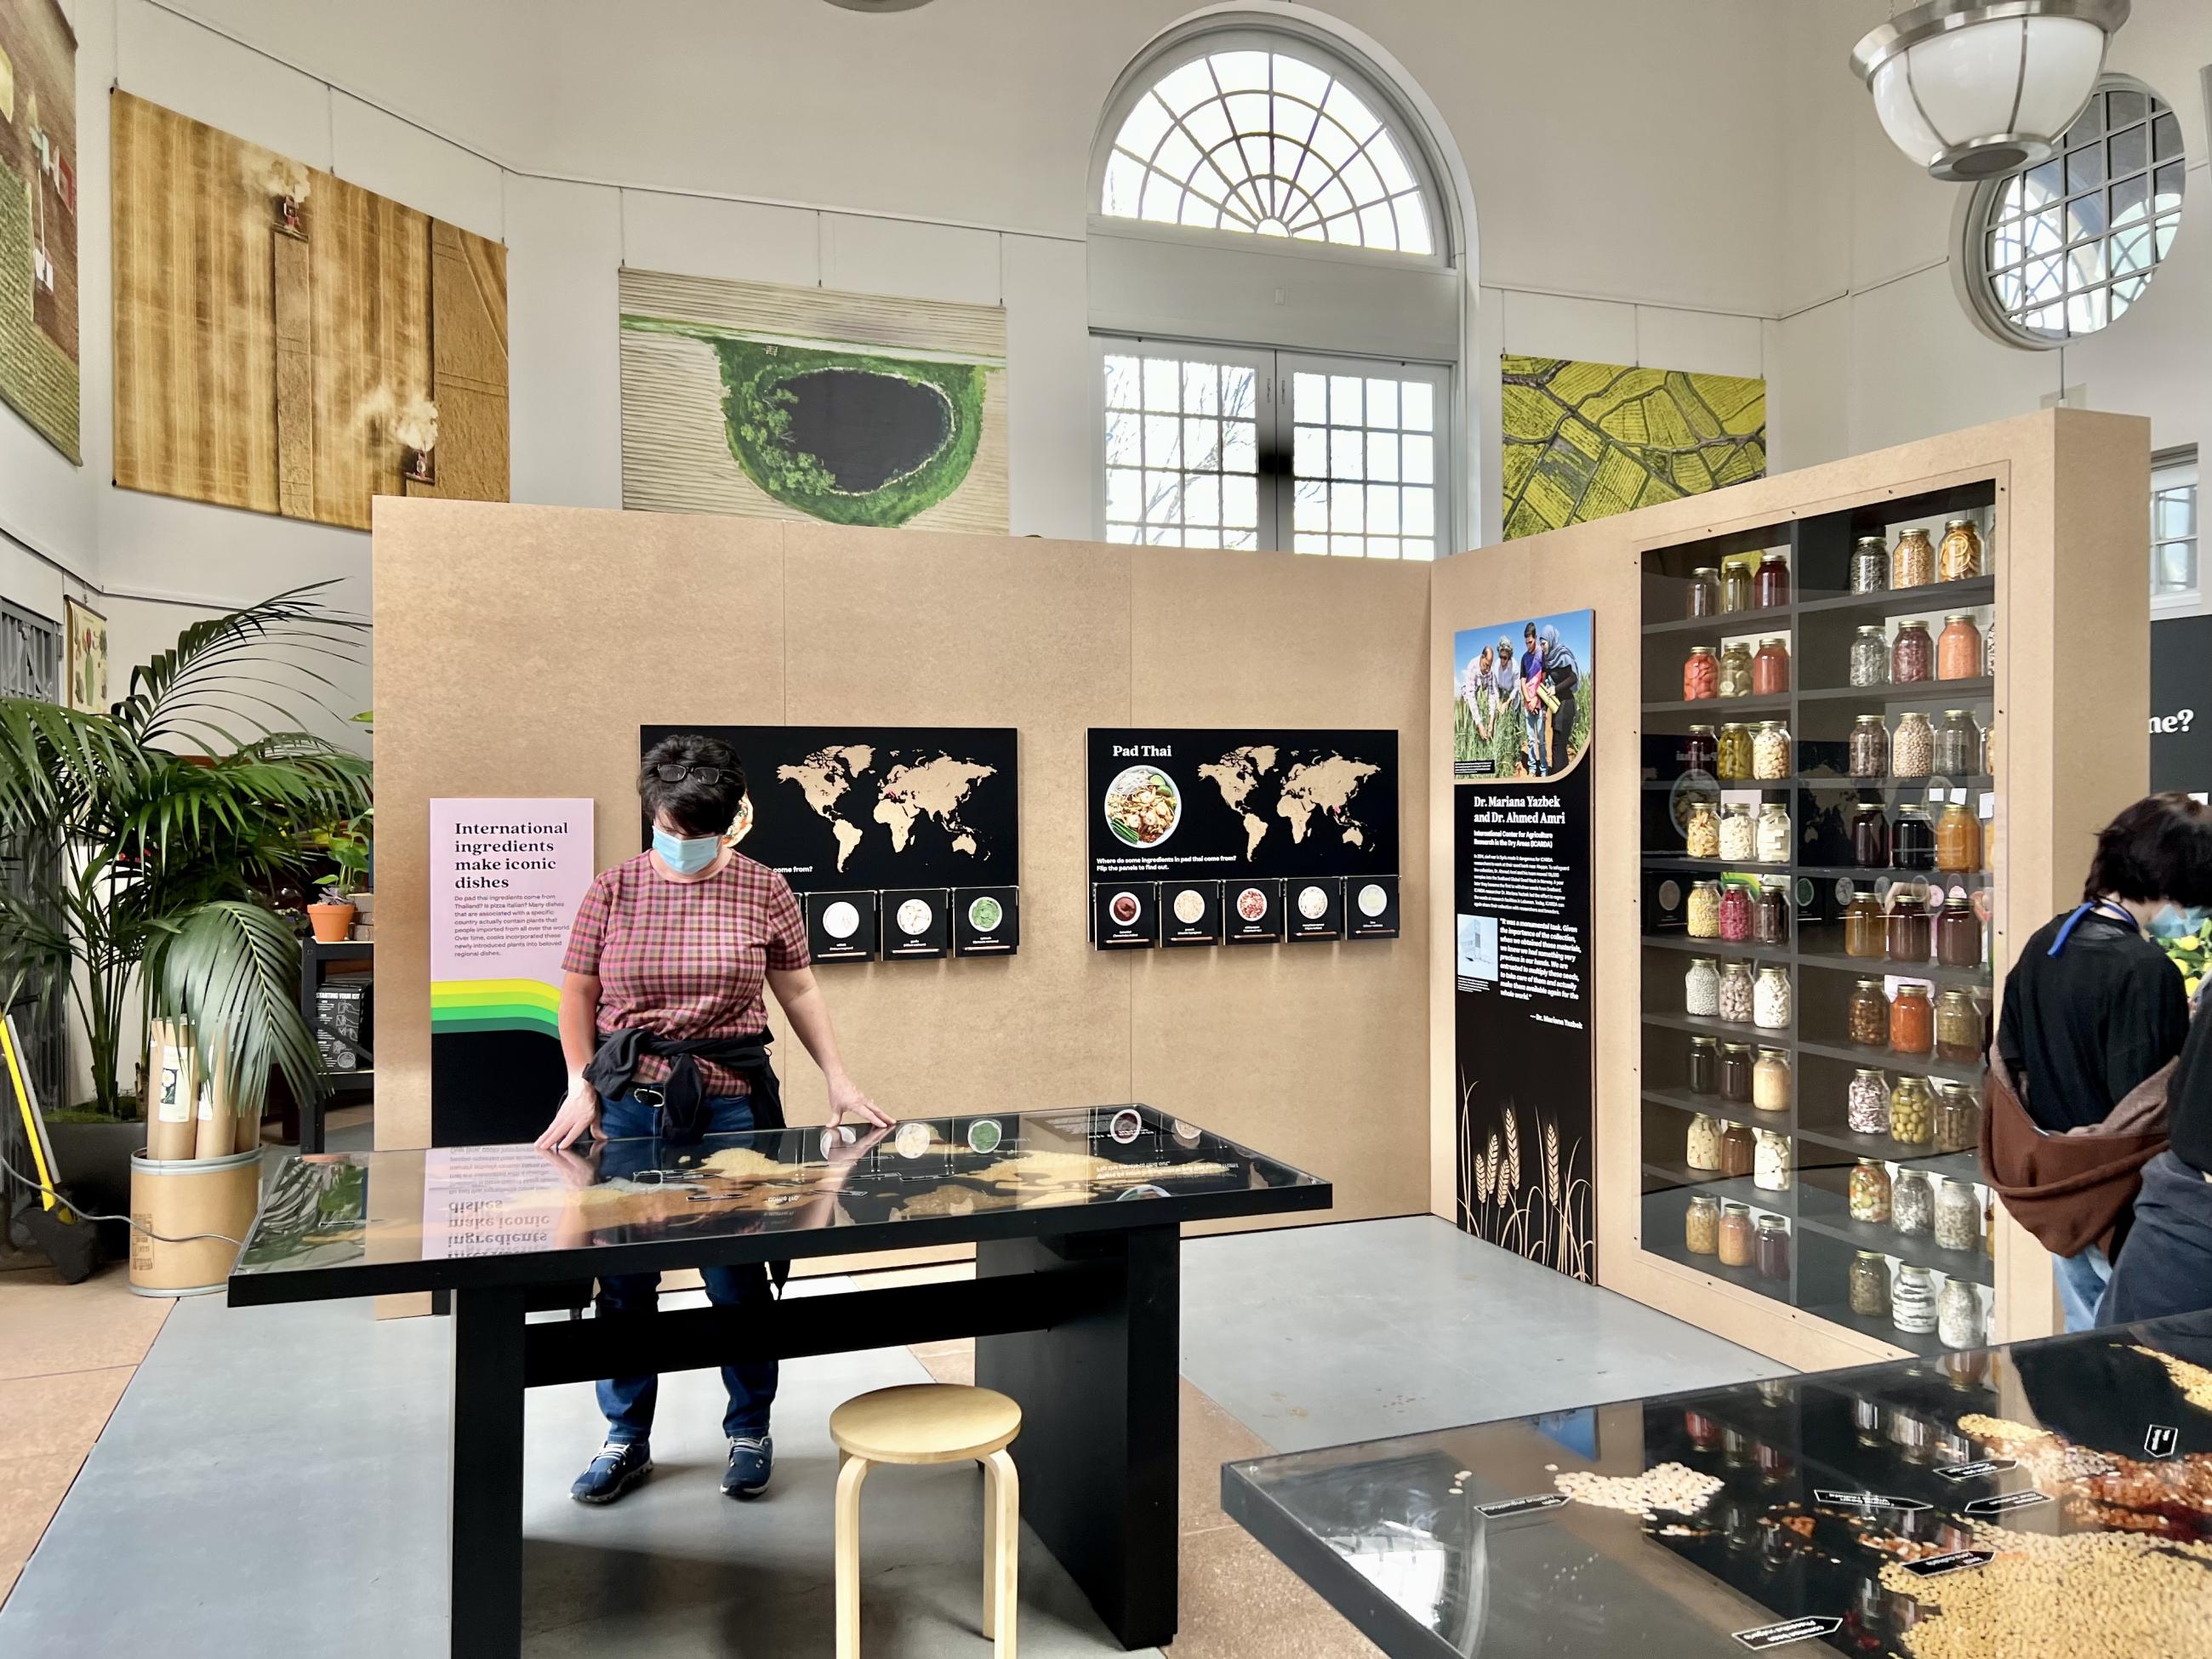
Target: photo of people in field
1521	697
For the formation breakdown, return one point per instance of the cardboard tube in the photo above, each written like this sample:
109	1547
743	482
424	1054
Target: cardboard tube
217	1135
171	1132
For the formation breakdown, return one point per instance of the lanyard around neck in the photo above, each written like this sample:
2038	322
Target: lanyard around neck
2102	907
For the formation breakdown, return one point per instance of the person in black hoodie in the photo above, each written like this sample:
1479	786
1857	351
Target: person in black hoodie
2093	1008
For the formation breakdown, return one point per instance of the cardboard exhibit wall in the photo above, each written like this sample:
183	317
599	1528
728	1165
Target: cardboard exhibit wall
2073	658
520	649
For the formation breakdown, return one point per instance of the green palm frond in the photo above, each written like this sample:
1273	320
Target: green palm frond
231	970
192	688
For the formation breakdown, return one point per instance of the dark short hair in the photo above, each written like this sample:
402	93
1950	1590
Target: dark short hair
1529	632
696	808
2159	848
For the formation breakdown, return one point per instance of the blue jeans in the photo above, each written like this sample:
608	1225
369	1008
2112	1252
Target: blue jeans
632	1130
2081	1281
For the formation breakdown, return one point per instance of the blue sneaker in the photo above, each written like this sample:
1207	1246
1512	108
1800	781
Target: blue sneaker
619	1465
752	1460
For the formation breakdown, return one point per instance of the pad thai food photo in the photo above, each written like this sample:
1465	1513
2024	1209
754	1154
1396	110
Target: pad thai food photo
1143	805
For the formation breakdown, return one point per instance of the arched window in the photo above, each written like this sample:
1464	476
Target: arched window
1269	143
2063	249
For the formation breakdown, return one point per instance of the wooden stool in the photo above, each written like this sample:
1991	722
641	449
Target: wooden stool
931	1423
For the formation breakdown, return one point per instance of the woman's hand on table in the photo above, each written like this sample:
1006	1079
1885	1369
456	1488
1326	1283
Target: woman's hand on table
847	1099
579	1116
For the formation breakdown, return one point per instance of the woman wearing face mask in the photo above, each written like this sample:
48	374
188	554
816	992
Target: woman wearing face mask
2094	1016
666	1034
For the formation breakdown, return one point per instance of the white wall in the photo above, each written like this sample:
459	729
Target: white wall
942	153
1875	345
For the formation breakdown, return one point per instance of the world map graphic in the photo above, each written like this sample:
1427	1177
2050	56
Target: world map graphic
852	786
1313	793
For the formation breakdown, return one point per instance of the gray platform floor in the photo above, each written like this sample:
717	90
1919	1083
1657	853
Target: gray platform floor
273	1482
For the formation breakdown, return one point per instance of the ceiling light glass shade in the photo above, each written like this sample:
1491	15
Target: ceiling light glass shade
1971	89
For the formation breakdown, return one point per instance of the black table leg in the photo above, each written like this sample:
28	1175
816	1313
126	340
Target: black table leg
485	1510
1098	1451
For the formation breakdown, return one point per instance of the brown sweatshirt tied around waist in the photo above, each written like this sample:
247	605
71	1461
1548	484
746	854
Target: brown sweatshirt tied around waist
2070	1190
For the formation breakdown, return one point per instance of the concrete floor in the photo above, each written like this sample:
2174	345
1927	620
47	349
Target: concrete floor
273	1479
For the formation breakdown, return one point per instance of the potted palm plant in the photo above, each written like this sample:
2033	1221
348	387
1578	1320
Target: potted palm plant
179	813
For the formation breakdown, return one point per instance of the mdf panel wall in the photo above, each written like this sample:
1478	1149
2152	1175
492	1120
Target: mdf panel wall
2073	640
518	649
1308	1051
929	628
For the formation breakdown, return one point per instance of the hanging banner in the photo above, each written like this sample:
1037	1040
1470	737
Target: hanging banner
2181	704
1522	715
506	876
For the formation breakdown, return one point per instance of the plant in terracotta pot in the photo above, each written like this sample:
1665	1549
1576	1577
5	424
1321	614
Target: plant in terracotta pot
346	845
171	831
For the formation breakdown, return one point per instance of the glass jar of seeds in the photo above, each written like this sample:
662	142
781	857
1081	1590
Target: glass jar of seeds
1912	752
1869	565
1866	1108
1958	1217
1959	1315
1868	750
1869	663
1701	916
1770	752
1736	999
1701	987
1701	1227
1871	1284
1912	1203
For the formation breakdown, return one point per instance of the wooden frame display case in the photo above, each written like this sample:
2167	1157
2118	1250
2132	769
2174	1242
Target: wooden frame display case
1809	1114
2059	498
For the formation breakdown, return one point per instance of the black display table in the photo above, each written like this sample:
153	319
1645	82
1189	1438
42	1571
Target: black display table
1941	1506
1075	1304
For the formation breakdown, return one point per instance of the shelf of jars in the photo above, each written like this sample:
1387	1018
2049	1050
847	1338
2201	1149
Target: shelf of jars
1817	802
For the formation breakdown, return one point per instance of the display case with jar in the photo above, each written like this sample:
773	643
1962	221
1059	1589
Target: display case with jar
1852	967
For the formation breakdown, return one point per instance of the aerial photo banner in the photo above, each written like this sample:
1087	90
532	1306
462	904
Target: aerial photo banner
506	877
1522	699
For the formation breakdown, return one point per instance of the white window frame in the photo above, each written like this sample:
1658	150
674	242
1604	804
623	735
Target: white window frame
1293	37
1278	483
2176	470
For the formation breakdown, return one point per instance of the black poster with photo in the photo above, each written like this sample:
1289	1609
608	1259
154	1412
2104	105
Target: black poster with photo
838	808
1237	803
1522	1004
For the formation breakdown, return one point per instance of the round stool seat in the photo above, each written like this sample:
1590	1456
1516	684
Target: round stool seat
925	1423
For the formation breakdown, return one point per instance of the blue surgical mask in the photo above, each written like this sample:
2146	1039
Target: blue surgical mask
687	855
2173	922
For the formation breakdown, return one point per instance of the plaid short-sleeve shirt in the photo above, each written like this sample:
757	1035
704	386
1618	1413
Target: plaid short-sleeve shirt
686	959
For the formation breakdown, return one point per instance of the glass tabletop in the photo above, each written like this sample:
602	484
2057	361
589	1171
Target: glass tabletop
369	1223
2050	1498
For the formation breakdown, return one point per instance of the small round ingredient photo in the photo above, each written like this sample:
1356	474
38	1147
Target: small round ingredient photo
913	1140
1189	906
1123	907
985	914
1313	902
1143	805
1373	901
914	917
984	1135
841	919
1252	904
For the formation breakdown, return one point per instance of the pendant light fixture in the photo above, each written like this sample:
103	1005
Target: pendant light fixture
1971	89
